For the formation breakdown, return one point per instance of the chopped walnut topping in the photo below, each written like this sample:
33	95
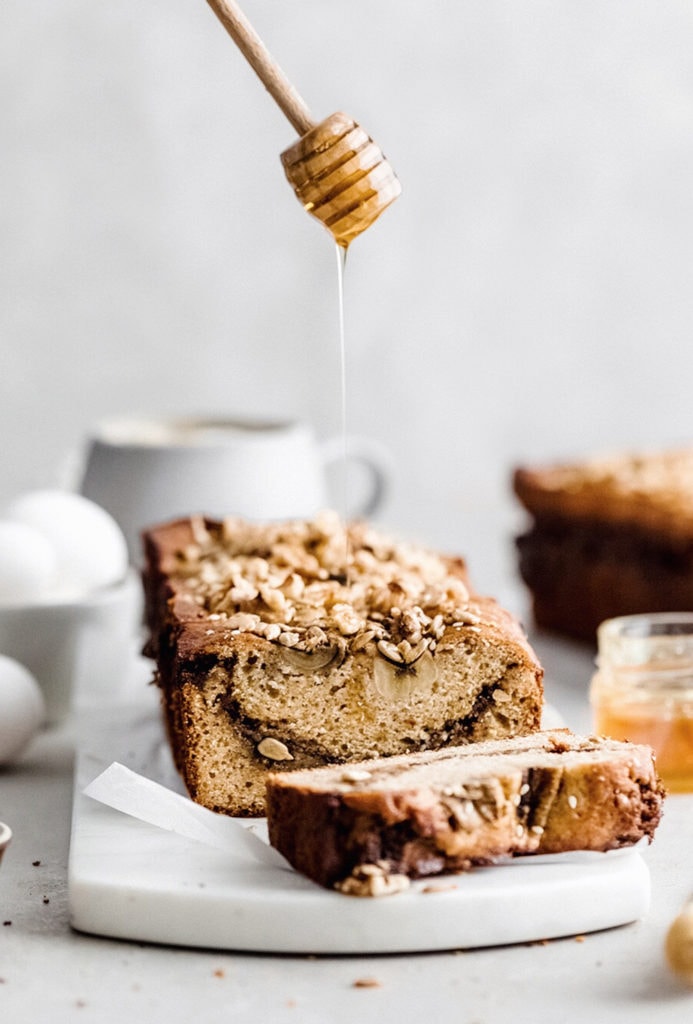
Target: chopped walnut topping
289	639
346	619
287	583
243	621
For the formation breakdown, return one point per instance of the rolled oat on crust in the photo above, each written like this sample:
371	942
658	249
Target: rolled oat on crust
304	643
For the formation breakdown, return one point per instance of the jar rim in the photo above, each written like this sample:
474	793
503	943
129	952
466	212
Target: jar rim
661	639
648	624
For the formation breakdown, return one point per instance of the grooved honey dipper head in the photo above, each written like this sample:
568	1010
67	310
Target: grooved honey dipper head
341	177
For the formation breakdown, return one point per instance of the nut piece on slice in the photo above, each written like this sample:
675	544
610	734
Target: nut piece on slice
275	750
372	880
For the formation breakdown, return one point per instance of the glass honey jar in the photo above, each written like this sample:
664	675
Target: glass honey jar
643	689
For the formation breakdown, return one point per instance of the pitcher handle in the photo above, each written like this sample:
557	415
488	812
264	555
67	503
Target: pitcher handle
370	454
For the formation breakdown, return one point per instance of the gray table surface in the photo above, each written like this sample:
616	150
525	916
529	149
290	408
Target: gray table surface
48	972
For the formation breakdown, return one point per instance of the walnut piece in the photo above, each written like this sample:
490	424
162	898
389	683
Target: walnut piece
275	750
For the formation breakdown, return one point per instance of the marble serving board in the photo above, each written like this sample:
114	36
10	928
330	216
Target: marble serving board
132	880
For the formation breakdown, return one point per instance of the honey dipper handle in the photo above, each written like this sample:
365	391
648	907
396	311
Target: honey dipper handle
268	71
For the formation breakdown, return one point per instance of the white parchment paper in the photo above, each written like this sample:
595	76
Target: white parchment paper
126	791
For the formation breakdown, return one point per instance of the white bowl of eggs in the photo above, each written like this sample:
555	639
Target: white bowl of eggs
70	608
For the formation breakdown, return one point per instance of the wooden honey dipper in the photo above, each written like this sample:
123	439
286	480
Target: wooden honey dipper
338	173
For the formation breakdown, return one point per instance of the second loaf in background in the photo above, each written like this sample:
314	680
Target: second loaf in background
610	535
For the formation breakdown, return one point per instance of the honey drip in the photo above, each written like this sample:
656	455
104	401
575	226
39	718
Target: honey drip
341	252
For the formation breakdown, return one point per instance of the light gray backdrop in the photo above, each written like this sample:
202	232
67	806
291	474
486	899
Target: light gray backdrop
528	297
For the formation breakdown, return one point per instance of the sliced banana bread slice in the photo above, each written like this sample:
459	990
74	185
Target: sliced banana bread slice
367	828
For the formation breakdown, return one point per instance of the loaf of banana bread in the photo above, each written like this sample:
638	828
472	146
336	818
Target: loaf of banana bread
609	536
303	644
367	828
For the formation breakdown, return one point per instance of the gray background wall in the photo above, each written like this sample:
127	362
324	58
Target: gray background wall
528	297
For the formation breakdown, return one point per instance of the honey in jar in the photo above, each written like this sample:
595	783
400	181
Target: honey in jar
643	689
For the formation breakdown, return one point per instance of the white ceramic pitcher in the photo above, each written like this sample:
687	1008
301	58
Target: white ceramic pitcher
145	471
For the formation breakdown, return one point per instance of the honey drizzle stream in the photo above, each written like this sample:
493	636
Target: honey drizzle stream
341	251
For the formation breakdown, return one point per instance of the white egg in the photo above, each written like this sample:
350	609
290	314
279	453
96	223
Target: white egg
89	544
22	708
28	564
